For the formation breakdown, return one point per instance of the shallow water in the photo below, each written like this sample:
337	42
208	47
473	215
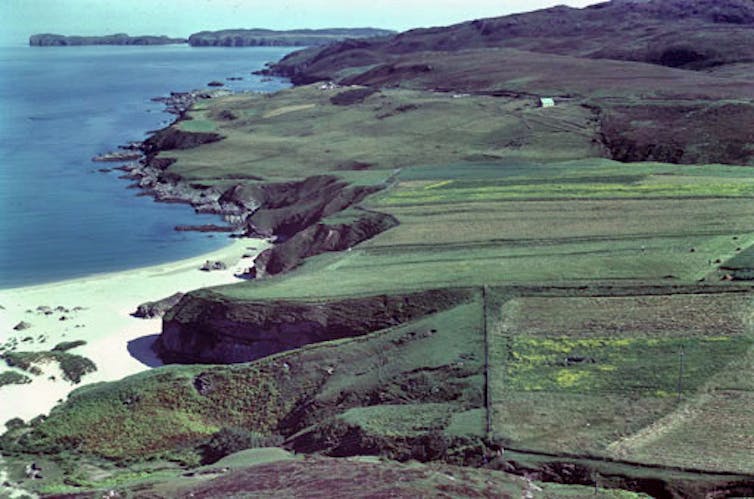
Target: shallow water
60	106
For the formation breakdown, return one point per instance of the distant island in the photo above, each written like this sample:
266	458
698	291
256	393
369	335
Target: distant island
53	40
223	38
290	38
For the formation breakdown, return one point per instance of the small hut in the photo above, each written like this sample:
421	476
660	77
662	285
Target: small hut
546	102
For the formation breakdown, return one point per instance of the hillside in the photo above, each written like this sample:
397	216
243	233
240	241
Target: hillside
690	34
479	280
286	38
461	275
52	40
668	79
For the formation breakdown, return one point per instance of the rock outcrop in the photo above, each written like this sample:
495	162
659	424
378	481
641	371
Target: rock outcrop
172	138
319	238
152	309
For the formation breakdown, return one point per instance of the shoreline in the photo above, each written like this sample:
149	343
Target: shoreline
97	309
148	172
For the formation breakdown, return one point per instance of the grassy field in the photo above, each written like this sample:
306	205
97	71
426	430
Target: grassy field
491	194
570	372
656	379
576	375
432	366
486	189
490	223
300	132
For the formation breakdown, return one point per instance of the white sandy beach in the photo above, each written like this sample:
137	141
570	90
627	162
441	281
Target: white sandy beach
103	321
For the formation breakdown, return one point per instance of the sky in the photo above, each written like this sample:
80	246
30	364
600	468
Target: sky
20	18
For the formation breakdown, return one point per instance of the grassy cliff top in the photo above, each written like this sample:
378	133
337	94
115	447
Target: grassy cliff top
486	190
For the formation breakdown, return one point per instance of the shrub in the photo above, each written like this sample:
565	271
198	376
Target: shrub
68	345
13	378
232	439
349	97
75	366
14	424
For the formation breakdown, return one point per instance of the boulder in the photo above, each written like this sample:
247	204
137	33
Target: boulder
210	266
21	326
157	308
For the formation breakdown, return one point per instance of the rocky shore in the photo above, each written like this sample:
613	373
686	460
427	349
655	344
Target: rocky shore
149	172
289	213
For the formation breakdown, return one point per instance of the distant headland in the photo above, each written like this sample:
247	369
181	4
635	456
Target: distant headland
290	38
53	40
223	38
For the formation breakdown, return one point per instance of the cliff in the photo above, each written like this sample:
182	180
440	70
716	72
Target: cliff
52	40
319	238
207	328
288	38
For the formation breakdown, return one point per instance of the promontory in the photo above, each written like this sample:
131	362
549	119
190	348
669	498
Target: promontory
289	38
53	40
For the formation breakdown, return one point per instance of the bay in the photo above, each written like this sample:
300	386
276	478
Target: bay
60	217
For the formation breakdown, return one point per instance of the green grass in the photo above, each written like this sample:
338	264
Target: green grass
399	420
436	360
199	123
495	223
741	266
600	376
489	191
299	132
74	367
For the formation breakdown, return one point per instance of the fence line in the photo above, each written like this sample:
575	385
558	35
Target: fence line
487	398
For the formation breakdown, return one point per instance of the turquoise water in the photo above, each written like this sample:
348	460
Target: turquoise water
59	217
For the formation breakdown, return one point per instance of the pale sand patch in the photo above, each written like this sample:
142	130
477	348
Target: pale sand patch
105	323
287	109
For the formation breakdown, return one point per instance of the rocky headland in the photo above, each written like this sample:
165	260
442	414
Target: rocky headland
284	38
222	38
53	40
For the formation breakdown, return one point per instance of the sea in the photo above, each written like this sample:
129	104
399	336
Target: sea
60	217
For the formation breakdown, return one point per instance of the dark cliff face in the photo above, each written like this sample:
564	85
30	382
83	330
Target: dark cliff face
52	40
692	34
284	209
206	328
172	138
296	212
320	238
288	38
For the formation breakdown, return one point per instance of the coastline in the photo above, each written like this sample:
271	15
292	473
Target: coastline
97	308
118	343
